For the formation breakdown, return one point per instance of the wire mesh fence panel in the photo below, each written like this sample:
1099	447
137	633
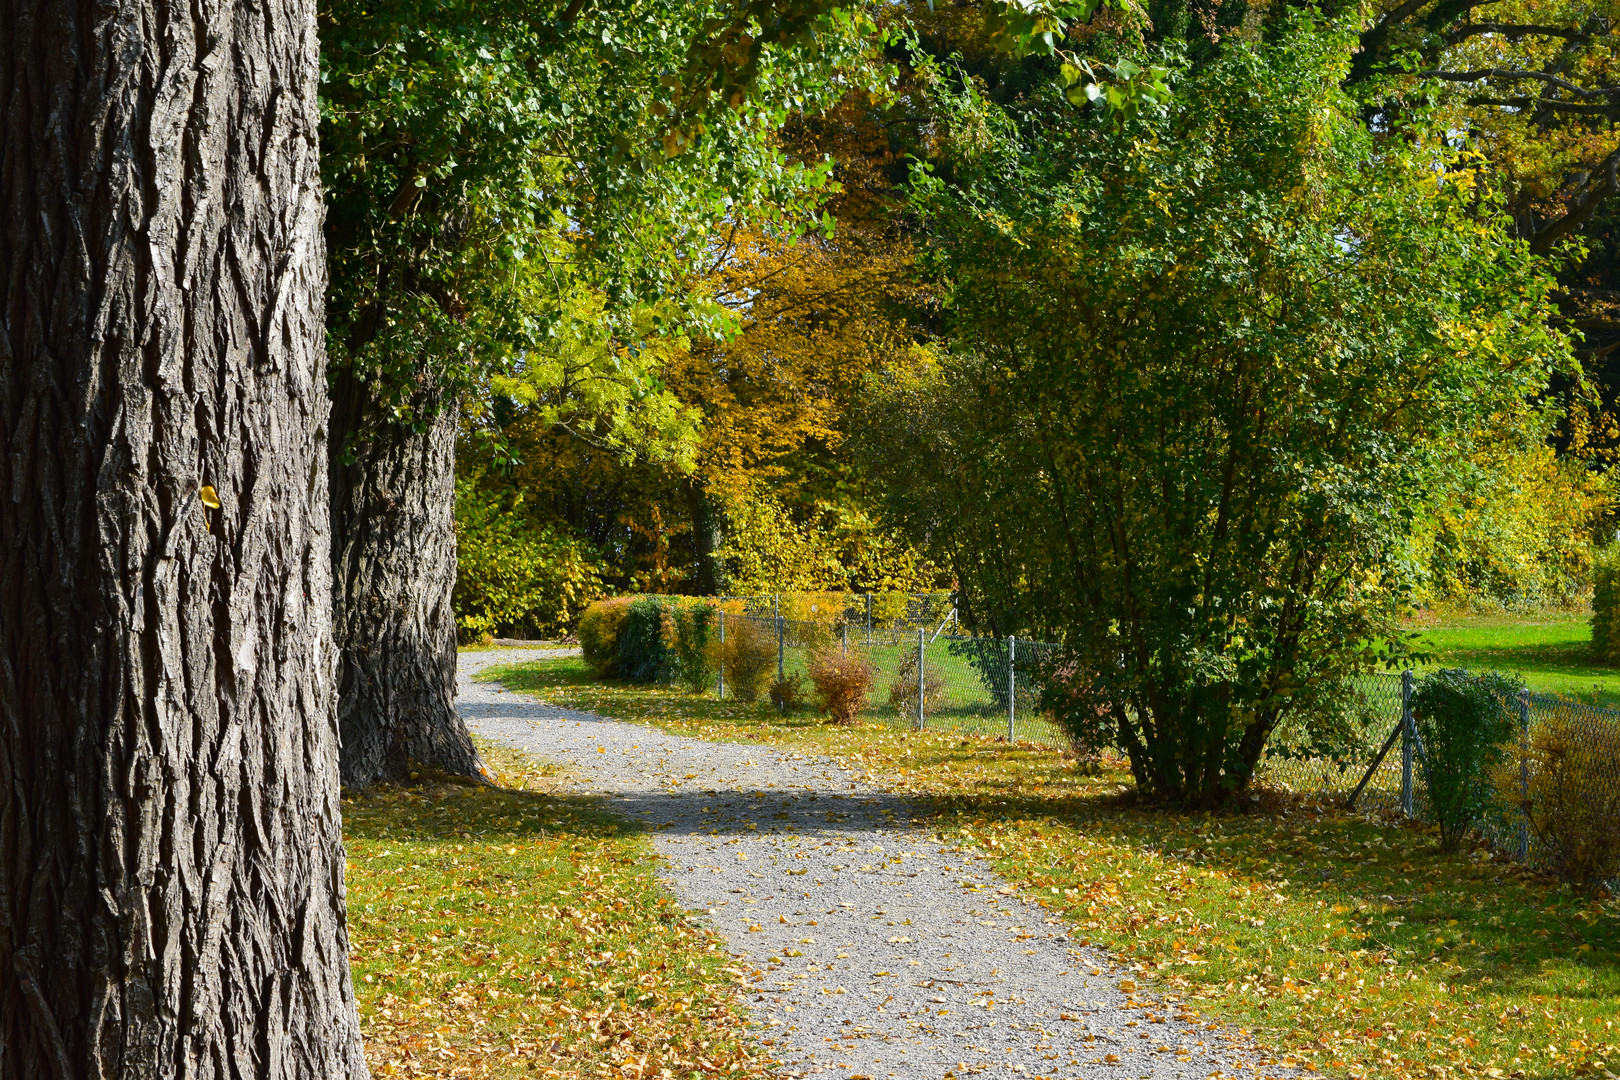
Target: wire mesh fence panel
866	614
961	677
1558	790
1041	678
892	658
1328	747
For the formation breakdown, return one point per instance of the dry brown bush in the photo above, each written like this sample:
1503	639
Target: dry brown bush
1573	795
787	693
903	688
747	658
843	681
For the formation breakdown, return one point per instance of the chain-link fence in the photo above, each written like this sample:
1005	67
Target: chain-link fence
1348	740
864	613
1553	795
1555	790
964	681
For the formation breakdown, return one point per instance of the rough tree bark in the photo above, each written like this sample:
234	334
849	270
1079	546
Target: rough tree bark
394	567
171	861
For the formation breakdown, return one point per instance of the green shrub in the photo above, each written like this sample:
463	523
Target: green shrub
697	656
1606	607
843	681
645	655
748	658
599	630
1069	697
513	576
1465	722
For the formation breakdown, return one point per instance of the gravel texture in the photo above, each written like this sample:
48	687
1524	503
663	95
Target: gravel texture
879	953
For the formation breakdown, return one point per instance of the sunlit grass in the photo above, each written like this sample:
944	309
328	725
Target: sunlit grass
1550	651
1351	944
506	932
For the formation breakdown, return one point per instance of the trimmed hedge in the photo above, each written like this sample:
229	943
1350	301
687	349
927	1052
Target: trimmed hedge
651	639
645	655
599	630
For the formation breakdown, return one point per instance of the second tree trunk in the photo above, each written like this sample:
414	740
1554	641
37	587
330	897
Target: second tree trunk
393	568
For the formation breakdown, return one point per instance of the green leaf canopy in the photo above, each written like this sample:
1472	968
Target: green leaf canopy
1203	360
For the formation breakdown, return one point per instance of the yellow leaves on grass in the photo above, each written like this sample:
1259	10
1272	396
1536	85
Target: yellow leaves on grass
505	933
1350	944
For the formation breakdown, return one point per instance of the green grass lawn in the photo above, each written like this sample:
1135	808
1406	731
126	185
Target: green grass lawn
1351	945
1550	651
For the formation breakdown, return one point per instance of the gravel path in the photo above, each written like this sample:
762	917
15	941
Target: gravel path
879	953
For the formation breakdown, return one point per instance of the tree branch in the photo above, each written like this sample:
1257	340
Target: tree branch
1509	74
1574	108
1583	207
1373	38
1515	31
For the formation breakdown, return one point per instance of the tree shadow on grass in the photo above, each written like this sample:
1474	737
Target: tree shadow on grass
1506	929
449	812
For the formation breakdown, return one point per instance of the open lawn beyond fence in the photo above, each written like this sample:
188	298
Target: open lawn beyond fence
985	686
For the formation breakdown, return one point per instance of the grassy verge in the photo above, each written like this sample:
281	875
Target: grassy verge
1351	945
1551	652
505	932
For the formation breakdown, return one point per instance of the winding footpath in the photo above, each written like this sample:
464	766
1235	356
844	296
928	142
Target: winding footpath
877	952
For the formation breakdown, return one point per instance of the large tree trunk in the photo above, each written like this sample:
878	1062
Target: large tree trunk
708	536
171	861
394	567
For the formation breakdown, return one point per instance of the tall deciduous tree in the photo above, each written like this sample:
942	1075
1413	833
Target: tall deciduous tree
766	499
472	144
171	862
1205	362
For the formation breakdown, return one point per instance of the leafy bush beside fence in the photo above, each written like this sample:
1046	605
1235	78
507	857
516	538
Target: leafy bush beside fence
747	659
650	639
1606	607
842	680
697	646
1466	722
645	655
599	630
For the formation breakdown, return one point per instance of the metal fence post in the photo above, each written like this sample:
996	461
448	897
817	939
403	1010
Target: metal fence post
781	655
845	630
720	694
1012	689
922	644
1406	742
1524	775
869	618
